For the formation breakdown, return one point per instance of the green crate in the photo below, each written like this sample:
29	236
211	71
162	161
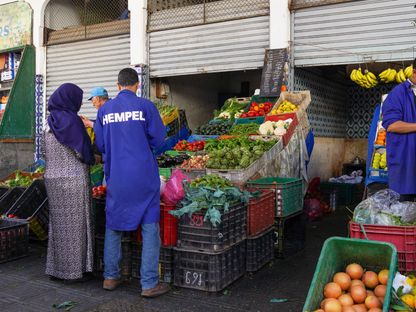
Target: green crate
289	193
257	120
346	193
260	99
165	172
338	252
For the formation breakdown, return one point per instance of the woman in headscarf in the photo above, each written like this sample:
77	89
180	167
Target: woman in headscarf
68	155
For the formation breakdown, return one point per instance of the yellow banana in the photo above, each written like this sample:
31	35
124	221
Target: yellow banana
398	78
391	76
353	75
408	72
384	74
402	75
372	76
370	79
359	74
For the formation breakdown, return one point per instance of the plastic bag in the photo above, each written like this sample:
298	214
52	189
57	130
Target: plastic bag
313	209
384	208
162	184
174	191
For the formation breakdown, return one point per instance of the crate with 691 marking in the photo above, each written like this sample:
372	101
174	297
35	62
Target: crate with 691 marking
196	234
209	271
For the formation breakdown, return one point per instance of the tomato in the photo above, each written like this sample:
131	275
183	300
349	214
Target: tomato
256	108
251	114
261	105
261	112
244	115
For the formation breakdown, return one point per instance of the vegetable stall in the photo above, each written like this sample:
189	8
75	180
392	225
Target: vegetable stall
216	209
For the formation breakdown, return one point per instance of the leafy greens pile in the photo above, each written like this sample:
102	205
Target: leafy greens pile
214	199
19	180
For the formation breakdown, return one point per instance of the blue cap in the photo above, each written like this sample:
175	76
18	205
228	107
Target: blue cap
98	91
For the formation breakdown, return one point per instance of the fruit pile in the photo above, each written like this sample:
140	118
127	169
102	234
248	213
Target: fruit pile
355	290
99	191
380	159
257	110
189	146
285	107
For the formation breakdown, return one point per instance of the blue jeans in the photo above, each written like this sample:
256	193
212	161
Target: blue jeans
149	270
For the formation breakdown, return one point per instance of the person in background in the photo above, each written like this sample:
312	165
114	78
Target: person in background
98	97
127	129
68	155
399	119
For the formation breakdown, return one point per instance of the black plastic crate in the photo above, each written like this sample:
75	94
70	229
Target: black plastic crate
98	205
9	198
32	206
14	239
260	250
290	235
126	250
196	234
209	271
165	262
3	190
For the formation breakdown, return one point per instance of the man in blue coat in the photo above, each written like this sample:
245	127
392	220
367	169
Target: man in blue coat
399	118
127	129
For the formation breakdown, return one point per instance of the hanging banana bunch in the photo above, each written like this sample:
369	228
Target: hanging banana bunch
408	72
391	75
388	75
367	80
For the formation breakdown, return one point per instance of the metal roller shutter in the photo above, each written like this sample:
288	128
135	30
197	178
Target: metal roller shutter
354	32
88	64
218	47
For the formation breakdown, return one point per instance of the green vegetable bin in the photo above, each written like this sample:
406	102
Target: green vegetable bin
97	176
289	193
338	252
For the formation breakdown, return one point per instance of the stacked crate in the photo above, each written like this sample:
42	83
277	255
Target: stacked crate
132	246
209	257
289	225
260	234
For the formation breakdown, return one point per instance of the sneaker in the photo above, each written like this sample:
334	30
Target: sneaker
111	284
159	290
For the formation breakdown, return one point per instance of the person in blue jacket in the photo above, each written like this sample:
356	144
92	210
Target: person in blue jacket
399	118
127	129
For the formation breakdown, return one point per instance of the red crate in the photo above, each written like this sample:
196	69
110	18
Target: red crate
286	138
403	237
168	226
261	212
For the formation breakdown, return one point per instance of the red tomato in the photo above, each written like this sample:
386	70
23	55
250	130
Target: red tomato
251	114
261	112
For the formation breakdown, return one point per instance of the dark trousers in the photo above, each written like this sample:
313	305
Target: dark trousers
407	197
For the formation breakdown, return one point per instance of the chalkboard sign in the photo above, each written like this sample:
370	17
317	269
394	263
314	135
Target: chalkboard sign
273	72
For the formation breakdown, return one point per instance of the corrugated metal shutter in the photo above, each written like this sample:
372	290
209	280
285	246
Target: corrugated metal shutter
355	32
88	64
217	47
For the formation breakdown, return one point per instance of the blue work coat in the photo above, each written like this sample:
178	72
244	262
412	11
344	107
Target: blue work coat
127	129
401	148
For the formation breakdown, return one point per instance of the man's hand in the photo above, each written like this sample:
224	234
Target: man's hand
87	123
402	127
